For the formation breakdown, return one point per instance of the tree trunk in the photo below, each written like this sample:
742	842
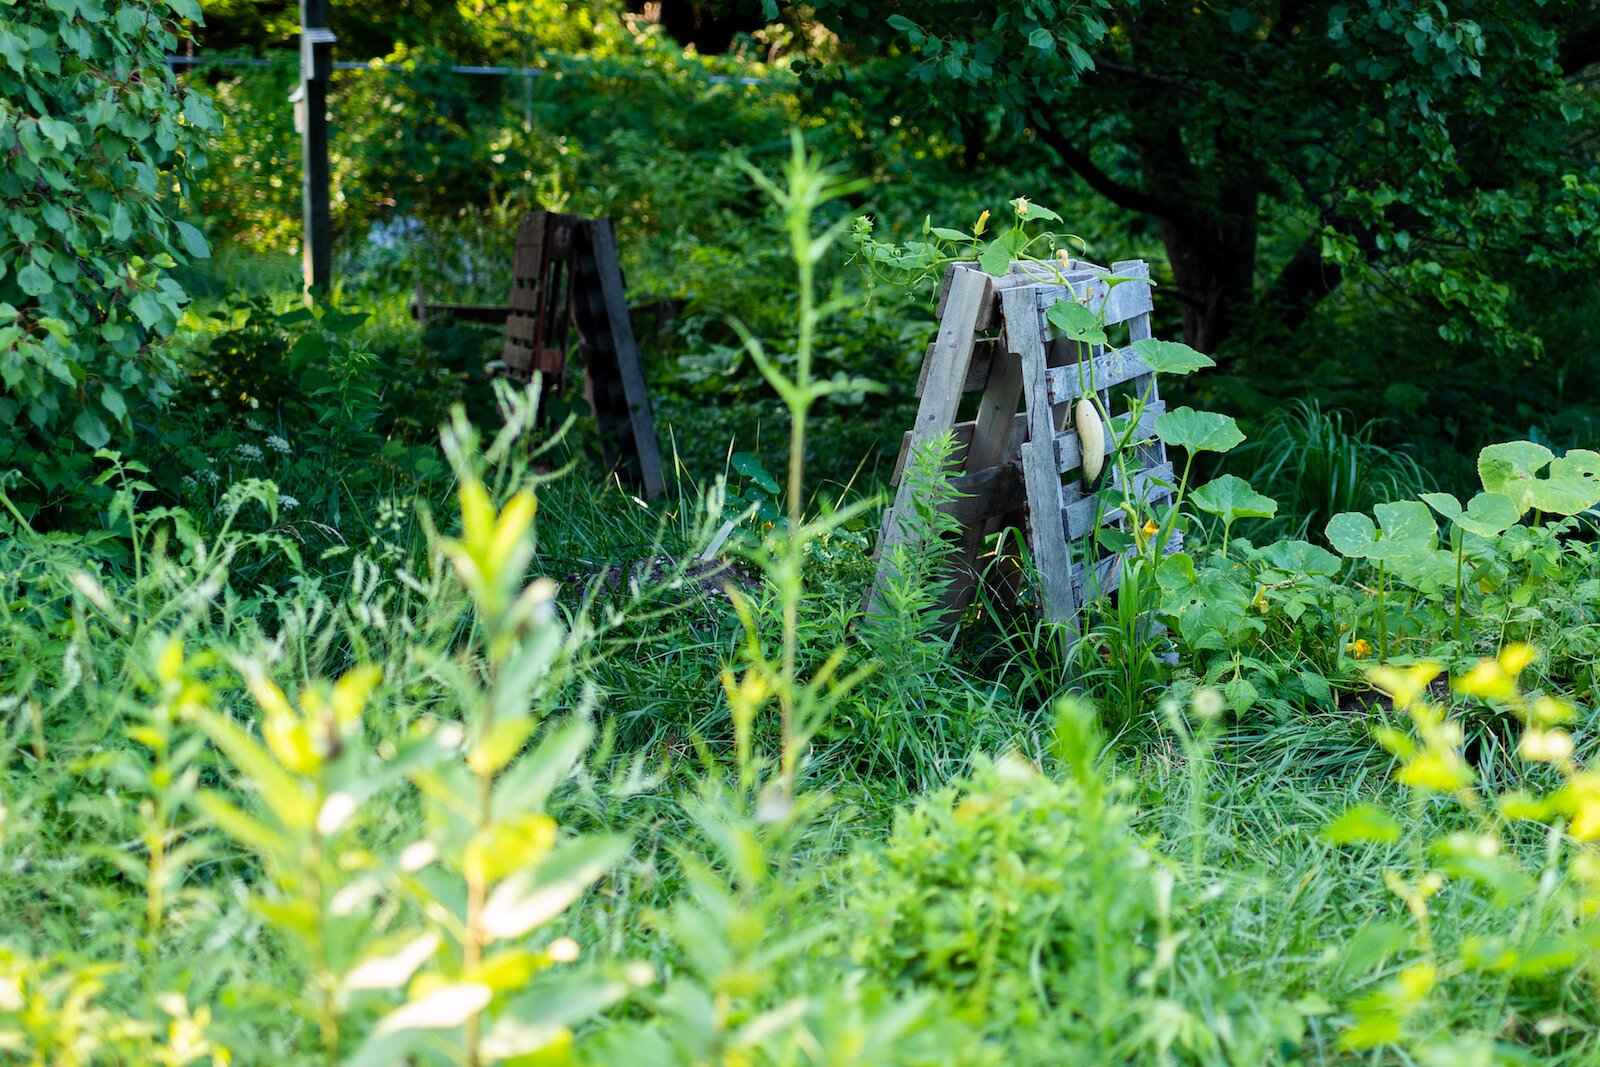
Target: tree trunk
1211	236
1204	211
1214	267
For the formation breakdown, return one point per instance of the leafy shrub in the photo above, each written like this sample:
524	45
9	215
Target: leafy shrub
1033	905
1448	998
98	135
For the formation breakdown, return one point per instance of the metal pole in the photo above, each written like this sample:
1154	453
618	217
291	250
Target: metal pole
316	70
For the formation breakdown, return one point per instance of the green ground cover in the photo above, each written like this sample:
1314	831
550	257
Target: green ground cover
339	724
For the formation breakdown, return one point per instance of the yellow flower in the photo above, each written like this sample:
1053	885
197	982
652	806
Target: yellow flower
1021	204
1151	528
1545	746
983	220
1360	648
1513	658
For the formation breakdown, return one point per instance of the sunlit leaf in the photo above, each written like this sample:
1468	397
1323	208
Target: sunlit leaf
1486	514
547	1010
393	968
530	898
1198	431
1233	498
1170	357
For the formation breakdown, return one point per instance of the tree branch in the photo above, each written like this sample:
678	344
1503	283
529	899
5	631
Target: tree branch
1119	193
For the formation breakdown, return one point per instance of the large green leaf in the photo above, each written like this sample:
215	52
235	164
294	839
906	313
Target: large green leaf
1198	431
1170	357
1571	485
1502	466
1209	608
996	257
1486	514
1299	557
1405	529
1233	498
1074	322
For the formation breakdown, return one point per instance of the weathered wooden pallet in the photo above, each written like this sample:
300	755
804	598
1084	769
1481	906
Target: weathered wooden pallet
565	272
995	339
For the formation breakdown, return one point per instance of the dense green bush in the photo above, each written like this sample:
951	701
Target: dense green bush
100	140
1033	905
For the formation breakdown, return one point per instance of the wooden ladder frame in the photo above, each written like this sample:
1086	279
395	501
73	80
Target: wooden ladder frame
565	273
994	337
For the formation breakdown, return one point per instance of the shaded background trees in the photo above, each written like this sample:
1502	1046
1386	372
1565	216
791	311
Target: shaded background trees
1390	206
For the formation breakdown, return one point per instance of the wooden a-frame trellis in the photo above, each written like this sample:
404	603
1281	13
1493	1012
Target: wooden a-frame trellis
564	273
994	338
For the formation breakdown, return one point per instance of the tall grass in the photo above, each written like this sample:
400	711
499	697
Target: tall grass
1318	463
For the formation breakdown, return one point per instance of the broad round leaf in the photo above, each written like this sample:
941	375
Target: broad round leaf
1405	530
1233	498
1074	322
1208	607
1572	484
1198	431
1501	467
1298	557
1170	357
1486	514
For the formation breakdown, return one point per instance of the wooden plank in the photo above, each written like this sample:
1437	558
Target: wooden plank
983	353
493	314
996	438
1120	303
1108	369
988	492
963	431
1149	385
1019	308
989	314
949	360
1051	556
1078	516
525	319
1069	450
1108	571
637	432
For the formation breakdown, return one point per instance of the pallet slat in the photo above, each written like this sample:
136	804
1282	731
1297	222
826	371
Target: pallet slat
1108	571
1148	486
1118	303
983	353
621	399
1102	372
950	359
1069	450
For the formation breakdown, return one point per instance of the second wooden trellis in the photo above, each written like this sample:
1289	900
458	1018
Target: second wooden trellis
995	338
564	273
